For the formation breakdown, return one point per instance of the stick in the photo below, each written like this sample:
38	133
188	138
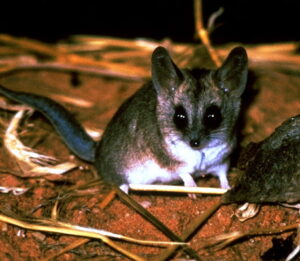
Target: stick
157	223
202	33
193	227
73	245
224	239
70	68
177	189
61	55
68	231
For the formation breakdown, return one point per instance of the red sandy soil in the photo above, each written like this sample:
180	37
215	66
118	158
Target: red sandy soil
277	98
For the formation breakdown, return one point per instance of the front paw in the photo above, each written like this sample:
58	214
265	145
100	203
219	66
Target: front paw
224	183
192	196
188	181
125	188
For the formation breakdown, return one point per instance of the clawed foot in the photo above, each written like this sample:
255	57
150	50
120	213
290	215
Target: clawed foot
188	181
125	188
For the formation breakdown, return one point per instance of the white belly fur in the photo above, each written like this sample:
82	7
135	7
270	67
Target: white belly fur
209	160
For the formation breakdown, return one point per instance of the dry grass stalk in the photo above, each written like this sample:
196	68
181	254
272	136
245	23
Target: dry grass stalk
68	248
75	244
12	107
124	61
225	239
69	68
62	56
39	164
190	231
285	53
105	42
50	226
29	44
72	100
177	189
156	222
15	190
109	197
53	226
203	34
115	62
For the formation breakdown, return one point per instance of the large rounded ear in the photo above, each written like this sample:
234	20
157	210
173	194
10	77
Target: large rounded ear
231	77
166	76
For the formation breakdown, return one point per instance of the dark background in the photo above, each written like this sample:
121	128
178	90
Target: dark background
246	21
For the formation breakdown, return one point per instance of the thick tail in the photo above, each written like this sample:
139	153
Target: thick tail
71	131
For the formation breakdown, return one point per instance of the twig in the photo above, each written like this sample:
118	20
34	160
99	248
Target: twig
75	244
203	34
66	67
72	100
213	17
68	231
100	41
29	44
109	197
224	240
50	225
192	228
157	223
63	56
177	189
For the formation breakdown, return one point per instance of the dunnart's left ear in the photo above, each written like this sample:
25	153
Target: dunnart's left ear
231	77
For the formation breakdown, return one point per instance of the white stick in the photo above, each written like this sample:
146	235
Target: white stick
176	189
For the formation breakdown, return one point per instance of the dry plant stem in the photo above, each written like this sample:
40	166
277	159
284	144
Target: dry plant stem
73	245
193	227
54	211
48	225
226	239
13	107
203	34
72	100
106	42
157	223
28	156
177	189
260	232
71	68
213	17
64	57
109	198
279	230
65	230
30	45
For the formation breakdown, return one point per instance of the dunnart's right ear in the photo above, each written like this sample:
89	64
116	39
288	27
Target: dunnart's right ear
166	76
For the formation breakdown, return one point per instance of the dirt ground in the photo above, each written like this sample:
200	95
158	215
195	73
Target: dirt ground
274	97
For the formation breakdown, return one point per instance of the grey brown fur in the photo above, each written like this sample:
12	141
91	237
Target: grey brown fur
181	123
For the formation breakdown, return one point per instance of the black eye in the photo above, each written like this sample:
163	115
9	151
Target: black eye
212	117
180	118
